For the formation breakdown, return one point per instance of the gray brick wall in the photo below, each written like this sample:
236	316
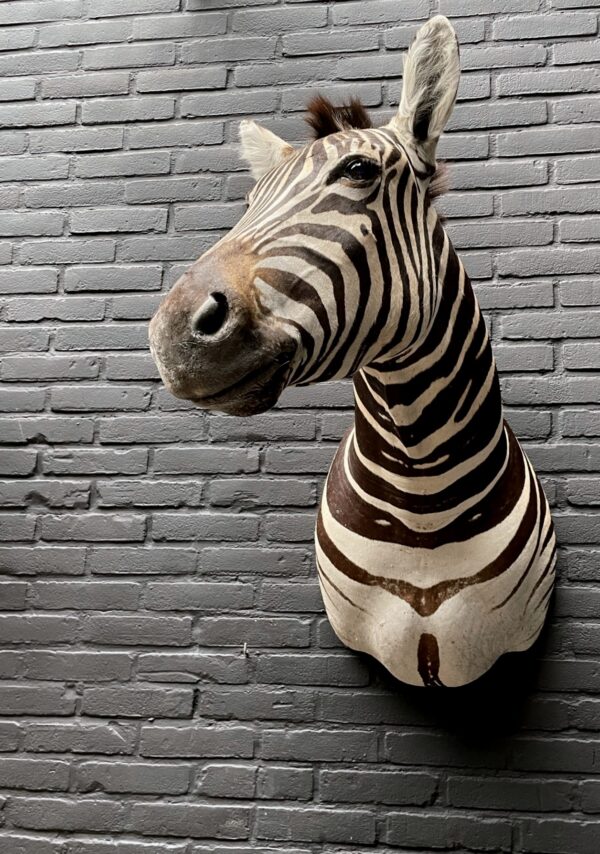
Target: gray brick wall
145	544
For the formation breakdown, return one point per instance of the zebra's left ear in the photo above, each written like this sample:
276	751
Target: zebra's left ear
431	75
261	149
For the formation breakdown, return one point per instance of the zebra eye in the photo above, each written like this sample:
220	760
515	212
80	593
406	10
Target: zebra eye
360	169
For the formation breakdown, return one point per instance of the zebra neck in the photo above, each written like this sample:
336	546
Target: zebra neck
430	420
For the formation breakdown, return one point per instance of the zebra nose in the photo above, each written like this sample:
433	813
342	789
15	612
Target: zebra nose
211	315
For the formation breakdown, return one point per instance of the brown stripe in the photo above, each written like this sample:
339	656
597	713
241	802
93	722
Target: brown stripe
429	661
426	600
326	578
345	504
535	486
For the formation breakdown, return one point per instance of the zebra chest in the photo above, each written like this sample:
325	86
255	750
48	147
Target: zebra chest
432	615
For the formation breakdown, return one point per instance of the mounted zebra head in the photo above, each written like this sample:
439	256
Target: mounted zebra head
331	268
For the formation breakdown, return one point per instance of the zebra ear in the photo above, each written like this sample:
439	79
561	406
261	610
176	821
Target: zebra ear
261	149
431	75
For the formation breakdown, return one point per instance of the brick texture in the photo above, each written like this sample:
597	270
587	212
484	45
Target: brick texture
168	681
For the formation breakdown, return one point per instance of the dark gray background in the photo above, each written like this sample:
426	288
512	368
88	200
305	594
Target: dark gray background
145	542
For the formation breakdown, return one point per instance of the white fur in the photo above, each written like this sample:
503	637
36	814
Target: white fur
431	76
261	149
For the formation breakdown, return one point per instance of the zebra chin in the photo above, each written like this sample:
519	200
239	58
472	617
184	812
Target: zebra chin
248	396
253	394
246	382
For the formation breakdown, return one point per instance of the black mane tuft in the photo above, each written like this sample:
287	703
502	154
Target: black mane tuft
324	118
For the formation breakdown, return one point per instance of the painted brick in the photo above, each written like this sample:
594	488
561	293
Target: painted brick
497	115
75	139
144	542
179	79
138	702
198	596
230	669
503	56
186	133
310	669
469	176
258	703
89	666
96	596
95	461
486	7
179	26
224	781
227	50
83	32
66	251
377	787
311	43
315	825
140	778
22	89
56	813
581	357
259	22
379	12
436	829
93	527
83	398
119	278
117	219
571	53
557	80
50	308
51	493
127	110
188	526
255	631
129	56
135	631
199	820
73	194
31	224
190	741
138	561
106	739
34	62
109	8
37	700
34	774
545	26
148	493
580	171
86	85
545	141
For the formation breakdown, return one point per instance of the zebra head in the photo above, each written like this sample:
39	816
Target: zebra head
331	267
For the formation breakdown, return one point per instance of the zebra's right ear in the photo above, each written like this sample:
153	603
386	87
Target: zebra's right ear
430	82
261	149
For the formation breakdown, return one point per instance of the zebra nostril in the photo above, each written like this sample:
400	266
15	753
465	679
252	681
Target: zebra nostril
211	315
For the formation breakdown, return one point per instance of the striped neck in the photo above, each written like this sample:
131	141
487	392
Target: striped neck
429	421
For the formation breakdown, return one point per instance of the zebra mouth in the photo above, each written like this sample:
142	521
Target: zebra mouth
255	392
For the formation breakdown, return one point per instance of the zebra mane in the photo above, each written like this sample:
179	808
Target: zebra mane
325	118
439	184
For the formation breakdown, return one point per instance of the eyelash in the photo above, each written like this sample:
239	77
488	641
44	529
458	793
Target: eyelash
341	167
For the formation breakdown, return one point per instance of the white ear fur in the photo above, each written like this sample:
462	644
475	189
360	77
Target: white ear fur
430	82
261	149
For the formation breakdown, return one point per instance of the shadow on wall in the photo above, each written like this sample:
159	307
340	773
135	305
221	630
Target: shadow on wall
481	715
